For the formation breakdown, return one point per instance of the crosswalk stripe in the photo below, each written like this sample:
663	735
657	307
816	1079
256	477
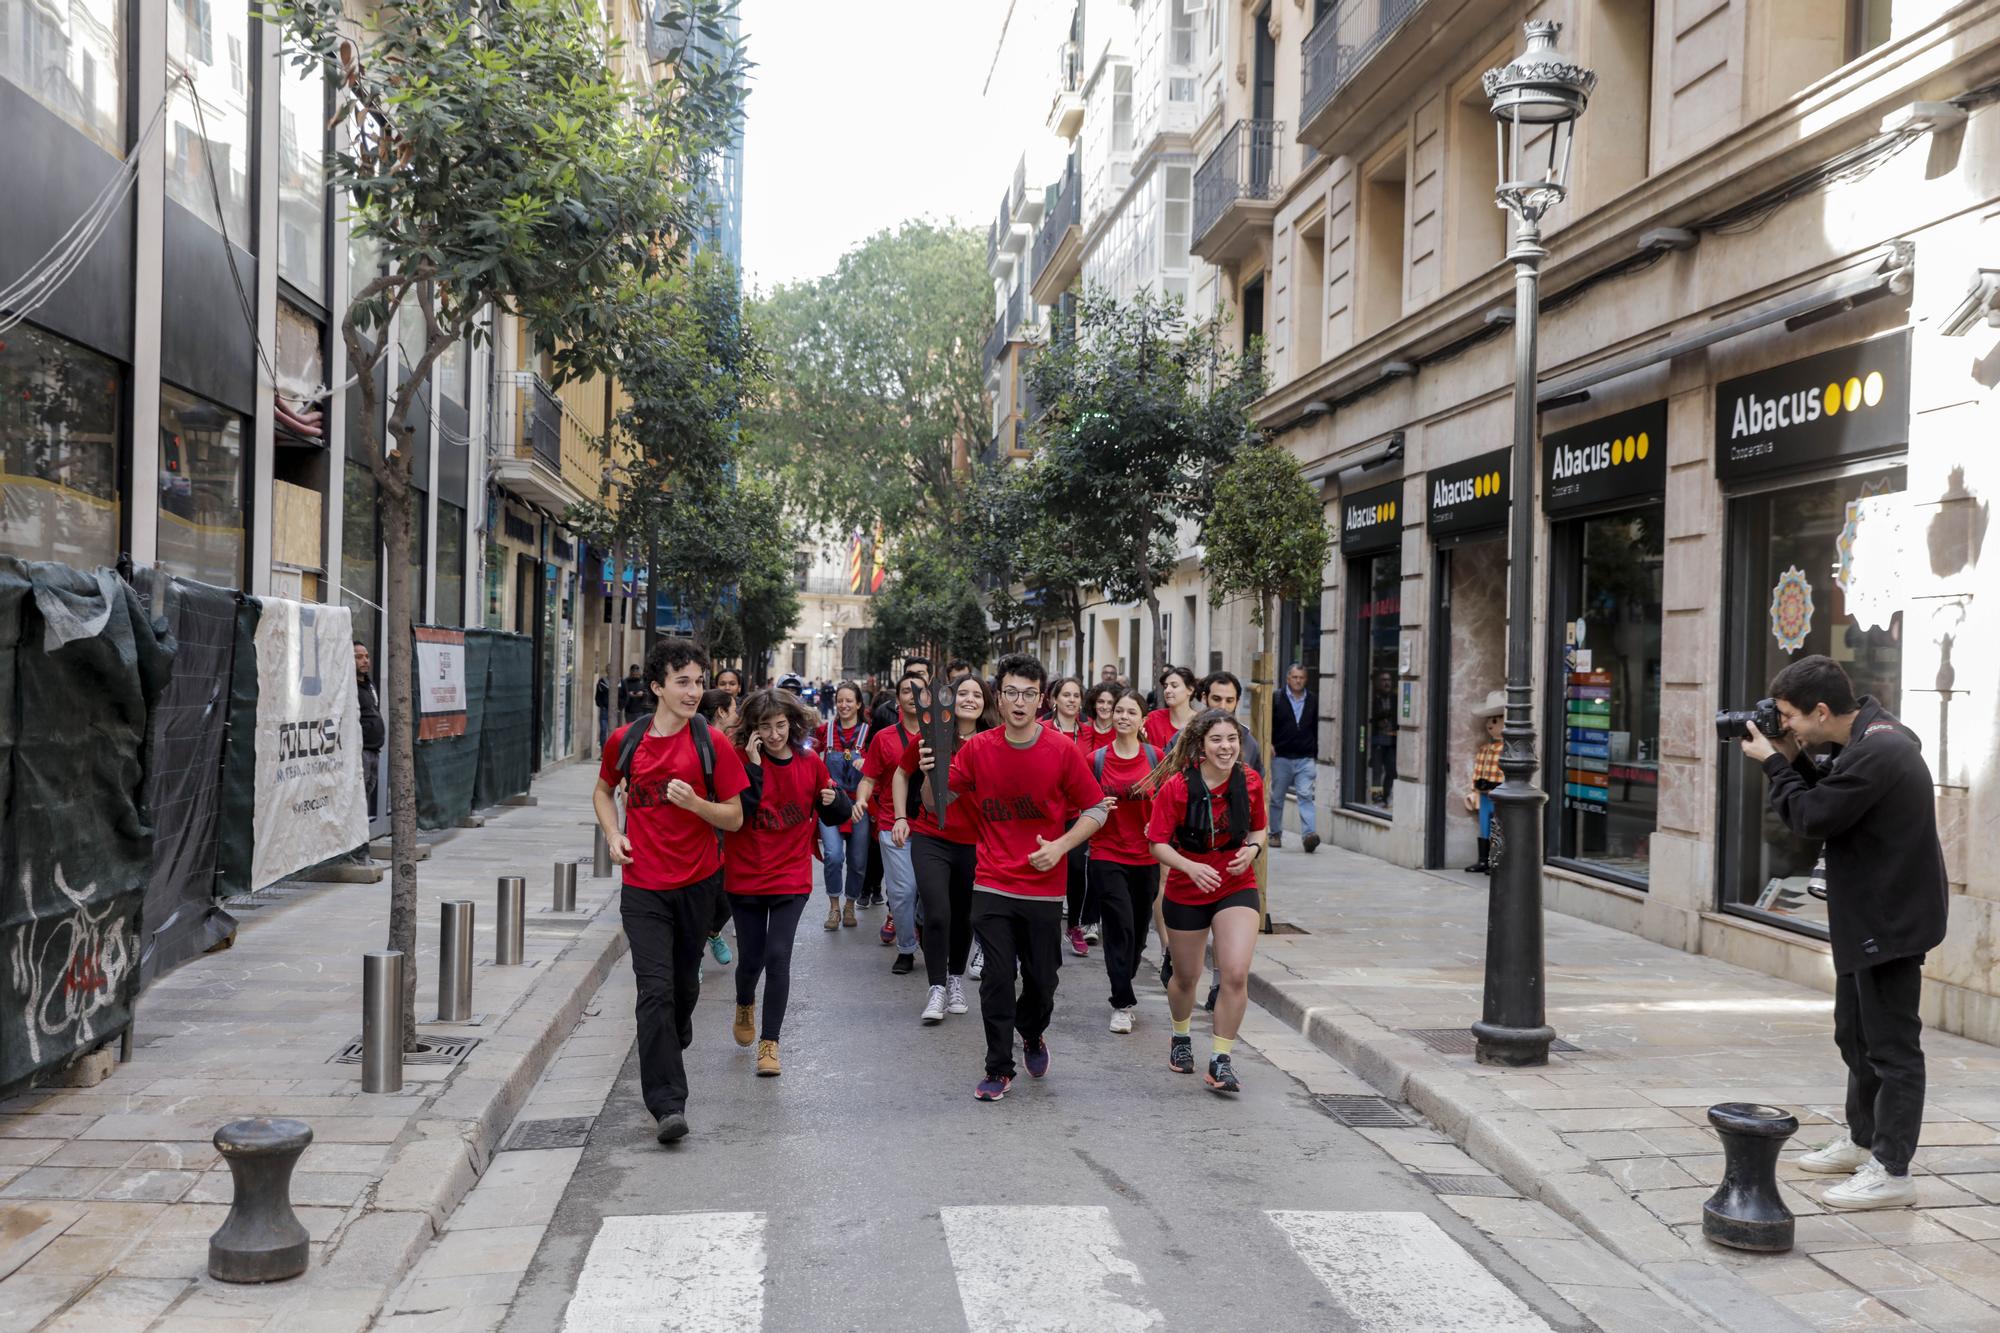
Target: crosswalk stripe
1044	1269
1400	1273
685	1272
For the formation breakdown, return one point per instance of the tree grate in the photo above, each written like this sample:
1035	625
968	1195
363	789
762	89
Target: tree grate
1460	1041
1359	1112
566	1132
430	1051
1491	1187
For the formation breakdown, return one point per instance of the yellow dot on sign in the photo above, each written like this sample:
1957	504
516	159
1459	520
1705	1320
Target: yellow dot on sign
1496	483
1852	399
1643	445
1871	388
1833	400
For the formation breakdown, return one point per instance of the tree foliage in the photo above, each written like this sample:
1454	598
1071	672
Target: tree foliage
1265	537
930	605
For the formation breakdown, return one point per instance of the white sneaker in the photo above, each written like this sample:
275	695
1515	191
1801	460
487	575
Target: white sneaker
934	1007
1121	1020
976	967
954	996
1872	1187
1091	935
1837	1157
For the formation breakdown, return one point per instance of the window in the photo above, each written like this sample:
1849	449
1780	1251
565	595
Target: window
361	551
801	569
1868	25
210	155
302	181
1308	296
1603	766
449	608
1175	213
201	489
236	64
798	659
1374	622
1121	109
1811	529
71	59
1380	280
1180	36
59	414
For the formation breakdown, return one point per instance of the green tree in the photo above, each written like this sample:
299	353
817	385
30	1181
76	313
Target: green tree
930	605
495	162
768	602
1030	557
1265	537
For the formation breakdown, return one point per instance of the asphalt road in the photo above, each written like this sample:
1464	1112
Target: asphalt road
865	1188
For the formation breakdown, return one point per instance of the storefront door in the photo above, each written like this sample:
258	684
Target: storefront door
1371	538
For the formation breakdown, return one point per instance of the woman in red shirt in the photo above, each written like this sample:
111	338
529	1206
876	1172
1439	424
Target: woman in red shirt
840	742
767	864
1097	728
1207	828
942	853
1177	706
1124	877
1066	719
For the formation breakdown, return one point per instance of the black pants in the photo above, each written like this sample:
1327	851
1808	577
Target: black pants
766	925
1083	906
944	892
1875	1024
871	882
667	931
371	765
1124	896
1023	934
718	916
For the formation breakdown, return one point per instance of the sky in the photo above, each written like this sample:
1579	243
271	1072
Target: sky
863	113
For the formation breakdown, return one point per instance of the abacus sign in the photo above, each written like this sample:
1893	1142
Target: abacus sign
1852	402
1615	458
1372	520
1468	496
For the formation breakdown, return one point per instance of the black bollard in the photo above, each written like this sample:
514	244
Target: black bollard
261	1240
1745	1212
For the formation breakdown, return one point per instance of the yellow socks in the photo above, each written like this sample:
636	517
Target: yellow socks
1182	1026
1222	1045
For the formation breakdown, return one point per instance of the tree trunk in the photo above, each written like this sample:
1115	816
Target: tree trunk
396	496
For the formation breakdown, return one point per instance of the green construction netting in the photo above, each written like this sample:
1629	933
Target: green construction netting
506	733
448	767
236	826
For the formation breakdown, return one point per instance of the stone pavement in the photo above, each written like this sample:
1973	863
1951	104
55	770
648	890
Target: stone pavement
108	1195
1614	1137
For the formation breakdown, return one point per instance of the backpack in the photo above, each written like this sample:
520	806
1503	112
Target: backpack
1197	827
704	749
1098	760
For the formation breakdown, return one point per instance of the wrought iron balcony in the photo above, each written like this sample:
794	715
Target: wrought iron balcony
996	342
1064	212
1342	42
1237	186
544	427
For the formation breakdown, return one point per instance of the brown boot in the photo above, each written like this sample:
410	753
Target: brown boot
847	913
833	914
767	1060
744	1029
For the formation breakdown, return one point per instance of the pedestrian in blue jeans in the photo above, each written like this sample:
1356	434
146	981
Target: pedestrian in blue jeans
899	877
1294	757
842	742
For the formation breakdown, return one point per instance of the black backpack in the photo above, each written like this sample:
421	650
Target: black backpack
704	748
1197	827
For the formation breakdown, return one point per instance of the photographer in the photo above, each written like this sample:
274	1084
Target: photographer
1872	802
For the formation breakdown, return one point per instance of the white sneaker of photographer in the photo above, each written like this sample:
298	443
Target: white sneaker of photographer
1872	1187
1837	1157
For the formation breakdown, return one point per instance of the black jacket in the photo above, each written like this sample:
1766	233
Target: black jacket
373	733
1294	740
1873	802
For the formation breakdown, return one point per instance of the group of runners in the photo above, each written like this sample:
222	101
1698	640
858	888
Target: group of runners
1055	803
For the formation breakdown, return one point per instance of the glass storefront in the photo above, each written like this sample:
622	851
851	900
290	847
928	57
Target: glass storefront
1371	537
59	410
360	552
201	489
208	147
302	180
71	59
450	607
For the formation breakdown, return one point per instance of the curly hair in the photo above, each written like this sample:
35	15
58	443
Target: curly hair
1186	751
760	706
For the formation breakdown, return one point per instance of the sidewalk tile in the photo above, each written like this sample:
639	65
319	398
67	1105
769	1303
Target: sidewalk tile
1965	1263
1649	1173
471	1253
430	1295
1977	1223
1844	1310
54	1182
1873	1270
118	1304
25	1300
1943	1307
155	1186
80	1256
27	1152
1623	1310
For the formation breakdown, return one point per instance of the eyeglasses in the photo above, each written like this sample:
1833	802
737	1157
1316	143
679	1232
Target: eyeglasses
1017	696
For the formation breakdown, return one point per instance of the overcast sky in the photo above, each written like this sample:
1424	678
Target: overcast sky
865	112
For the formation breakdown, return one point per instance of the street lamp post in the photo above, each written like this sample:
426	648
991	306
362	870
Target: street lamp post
1536	96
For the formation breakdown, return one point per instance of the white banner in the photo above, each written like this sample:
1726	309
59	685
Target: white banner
310	804
441	673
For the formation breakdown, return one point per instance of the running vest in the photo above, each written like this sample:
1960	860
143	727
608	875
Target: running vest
1197	827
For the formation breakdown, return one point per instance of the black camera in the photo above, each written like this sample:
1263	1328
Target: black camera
1732	724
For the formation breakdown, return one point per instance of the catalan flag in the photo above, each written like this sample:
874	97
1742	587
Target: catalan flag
854	562
881	570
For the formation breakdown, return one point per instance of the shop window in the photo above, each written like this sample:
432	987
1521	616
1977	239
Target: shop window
71	59
360	551
1602	763
208	150
449	608
302	180
1374	621
59	412
201	489
1783	546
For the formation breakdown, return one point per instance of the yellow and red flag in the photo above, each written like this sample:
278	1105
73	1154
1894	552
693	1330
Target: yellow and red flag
854	562
881	571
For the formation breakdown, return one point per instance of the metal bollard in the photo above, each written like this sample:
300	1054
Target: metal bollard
1746	1212
600	859
382	1020
455	961
565	900
262	1239
510	939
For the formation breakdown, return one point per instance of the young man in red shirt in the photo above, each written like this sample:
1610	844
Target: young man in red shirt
1023	782
673	860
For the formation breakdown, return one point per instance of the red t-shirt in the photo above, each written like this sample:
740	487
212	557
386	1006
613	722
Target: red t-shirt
671	847
772	852
1123	838
1168	807
1019	795
1090	740
885	751
1160	729
958	821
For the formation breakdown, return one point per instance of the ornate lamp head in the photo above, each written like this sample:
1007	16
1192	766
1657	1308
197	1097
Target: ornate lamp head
1536	98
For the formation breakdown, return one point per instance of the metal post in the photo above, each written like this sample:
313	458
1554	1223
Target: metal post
1511	1030
510	908
600	857
382	1021
455	961
565	900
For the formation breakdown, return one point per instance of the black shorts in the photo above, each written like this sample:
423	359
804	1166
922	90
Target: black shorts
1185	916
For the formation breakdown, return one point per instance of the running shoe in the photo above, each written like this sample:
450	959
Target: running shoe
1838	1157
744	1029
832	914
1121	1021
1076	942
1220	1077
1038	1057
992	1088
1214	989
673	1125
1312	843
954	996
888	932
905	964
720	948
1872	1187
934	1006
767	1060
976	967
1091	933
1180	1055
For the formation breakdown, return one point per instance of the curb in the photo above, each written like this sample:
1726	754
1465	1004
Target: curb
1516	1146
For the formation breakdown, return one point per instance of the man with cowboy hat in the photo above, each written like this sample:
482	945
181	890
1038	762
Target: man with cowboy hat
1486	775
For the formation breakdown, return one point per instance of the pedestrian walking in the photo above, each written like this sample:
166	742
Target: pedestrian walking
635	697
1025	784
1871	799
1221	690
1295	760
1124	877
1108	675
730	681
1179	690
768	863
1097	726
683	786
718	709
842	743
374	734
603	701
899	881
888	706
942	856
1207	828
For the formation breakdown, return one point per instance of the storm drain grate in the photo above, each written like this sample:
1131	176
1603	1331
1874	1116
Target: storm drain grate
1358	1112
1460	1041
430	1051
1490	1186
566	1132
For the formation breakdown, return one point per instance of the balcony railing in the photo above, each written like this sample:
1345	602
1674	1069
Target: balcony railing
1069	72
1064	212
996	341
991	453
1243	165
1342	42
545	427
